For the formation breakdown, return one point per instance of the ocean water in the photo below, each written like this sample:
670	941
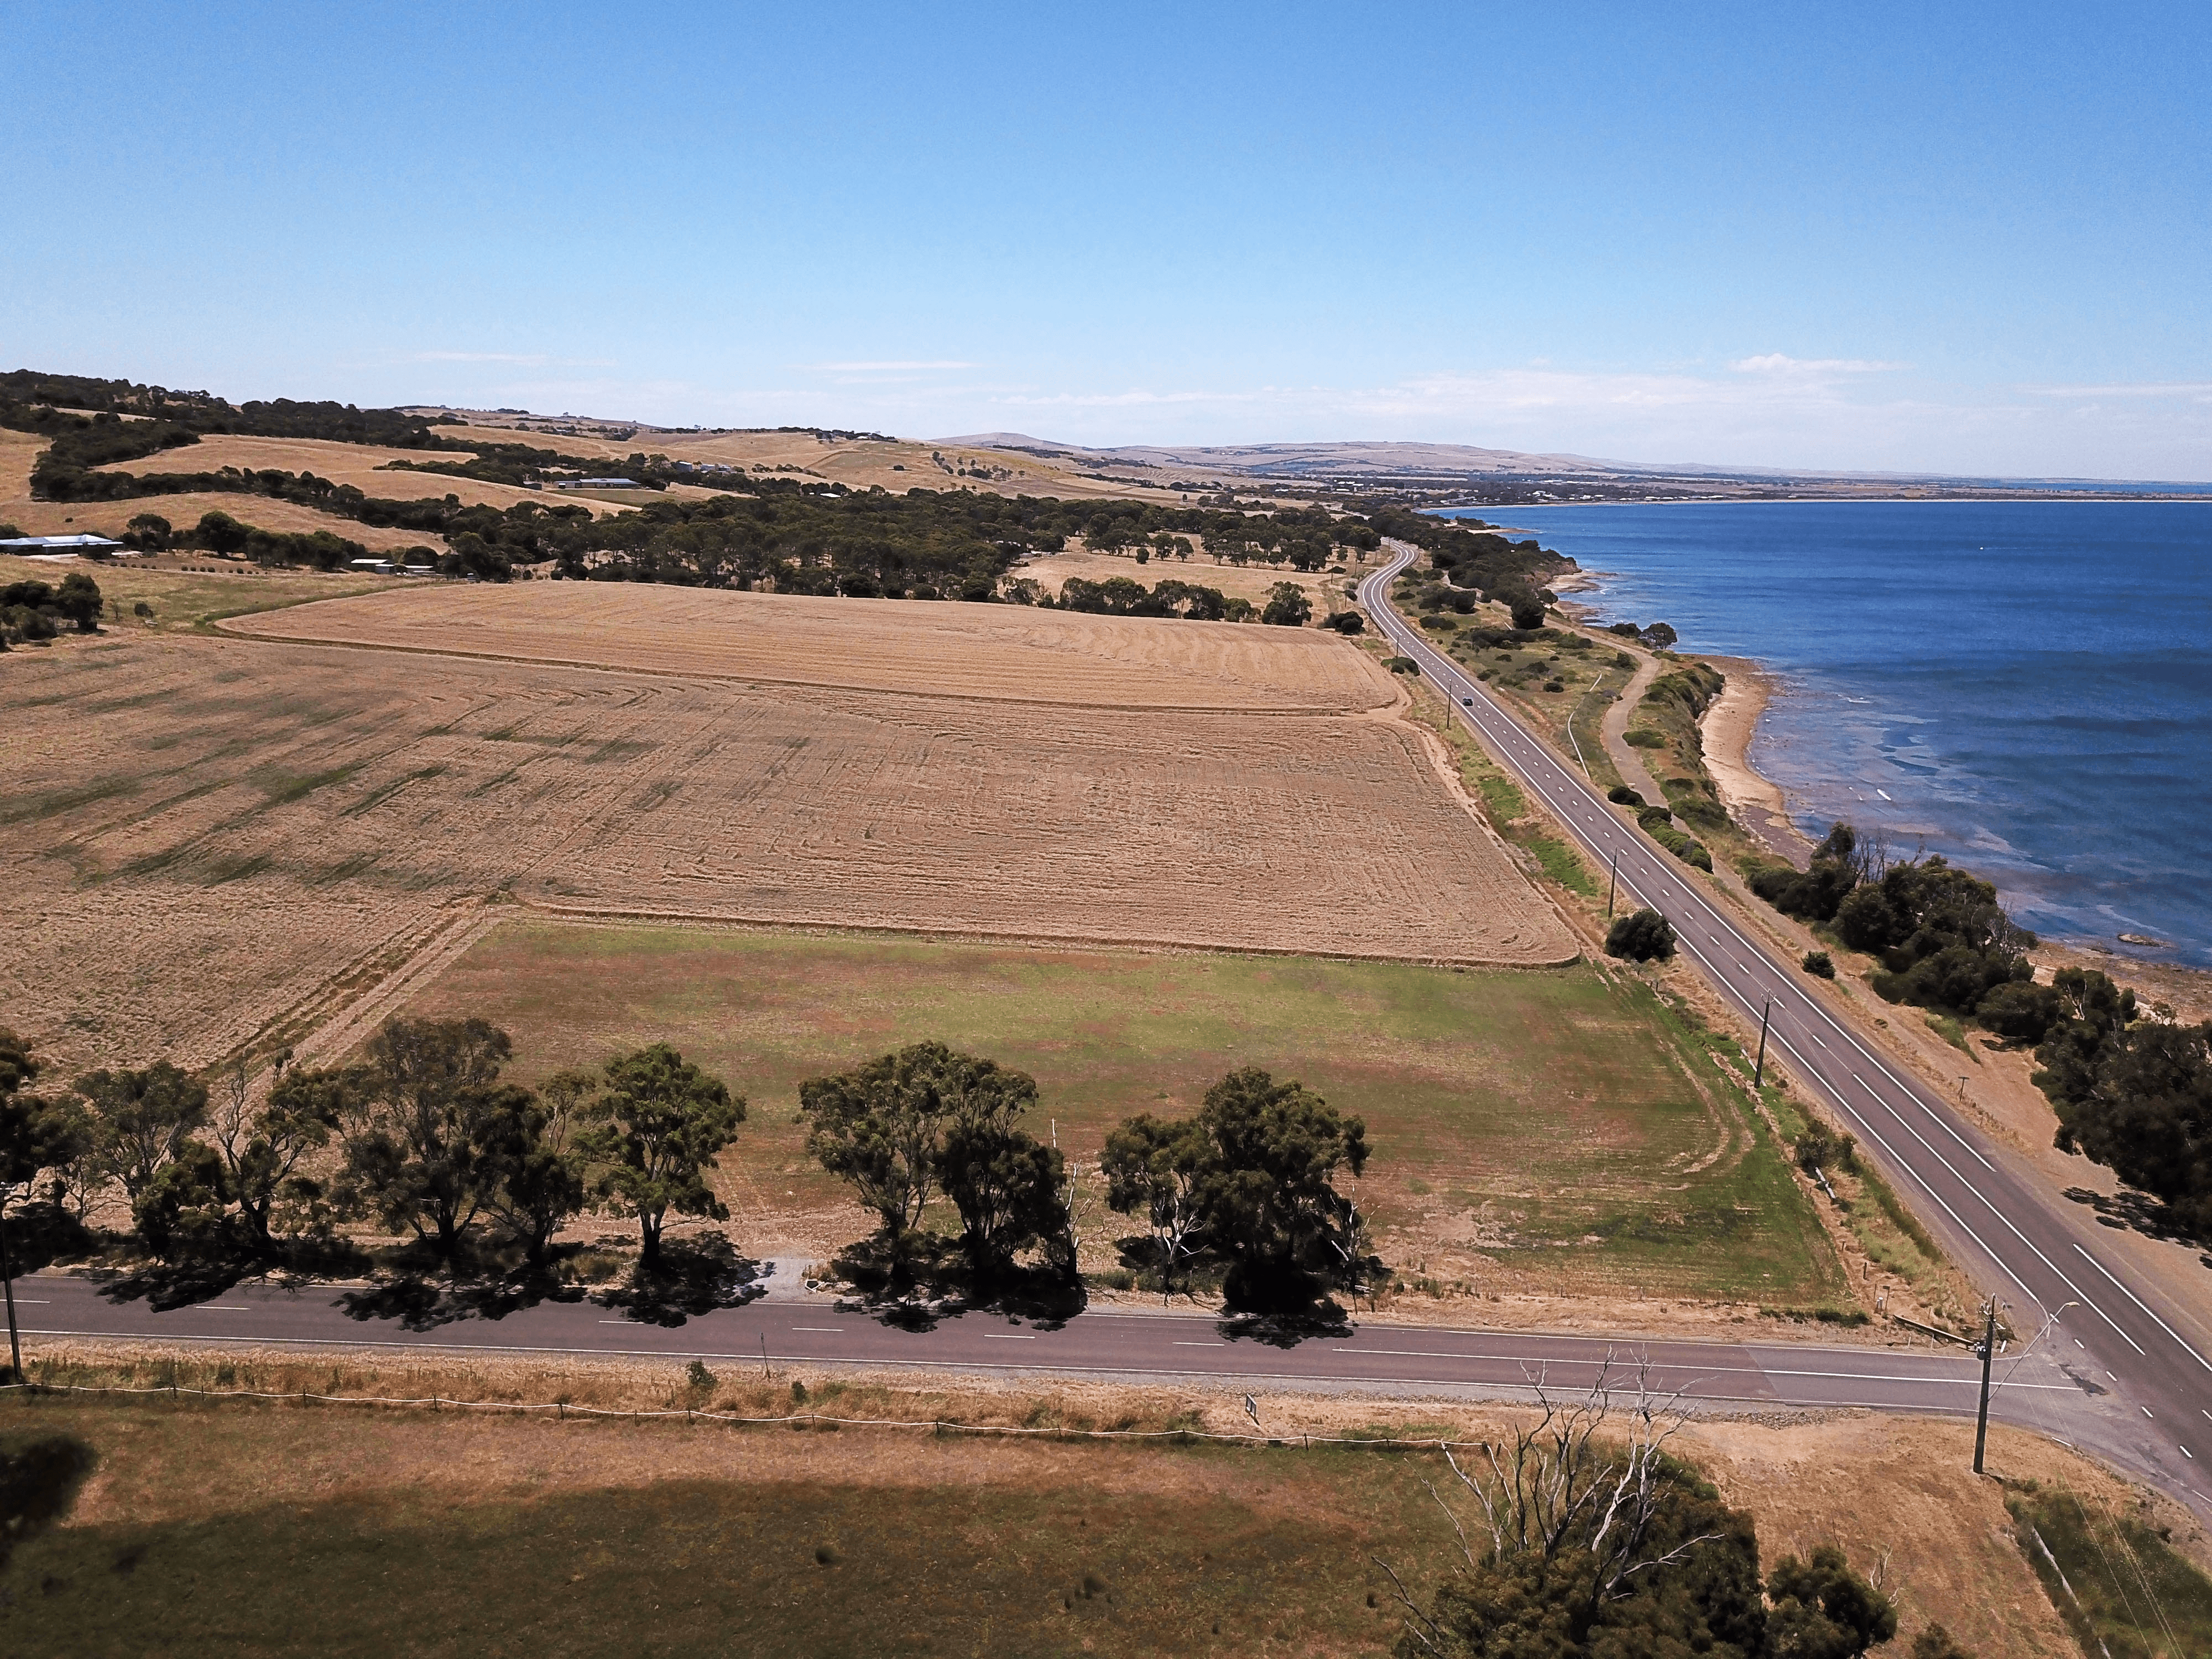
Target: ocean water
2023	686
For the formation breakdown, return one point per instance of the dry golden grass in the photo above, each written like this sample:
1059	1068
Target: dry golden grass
1001	652
1896	1493
263	511
361	465
187	591
18	451
1255	582
231	836
896	465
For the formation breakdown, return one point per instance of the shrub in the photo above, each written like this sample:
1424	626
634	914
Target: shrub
1644	737
1621	795
1439	624
1814	895
1641	936
1820	964
1683	846
2020	1011
1821	1148
1345	622
1554	685
1401	665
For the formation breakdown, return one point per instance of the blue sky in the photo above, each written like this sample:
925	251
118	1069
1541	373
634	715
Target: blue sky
1973	238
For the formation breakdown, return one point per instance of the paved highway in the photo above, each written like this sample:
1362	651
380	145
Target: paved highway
1178	1349
2010	1234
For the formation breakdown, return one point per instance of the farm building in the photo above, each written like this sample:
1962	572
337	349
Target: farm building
63	547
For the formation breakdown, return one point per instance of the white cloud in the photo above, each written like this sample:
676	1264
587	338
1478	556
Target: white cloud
1775	363
883	367
2196	390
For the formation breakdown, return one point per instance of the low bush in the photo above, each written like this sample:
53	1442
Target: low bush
1820	964
1685	848
1822	1148
1644	737
1621	795
1641	936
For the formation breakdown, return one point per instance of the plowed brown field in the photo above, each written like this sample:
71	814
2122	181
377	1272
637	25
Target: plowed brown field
210	839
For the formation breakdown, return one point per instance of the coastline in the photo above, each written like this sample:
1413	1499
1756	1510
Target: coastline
1754	801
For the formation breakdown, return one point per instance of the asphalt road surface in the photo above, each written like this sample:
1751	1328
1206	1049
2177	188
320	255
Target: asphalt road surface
2011	1235
1178	1349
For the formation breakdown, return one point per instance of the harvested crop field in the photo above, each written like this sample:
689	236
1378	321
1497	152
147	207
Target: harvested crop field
227	838
1001	652
1255	582
895	464
367	467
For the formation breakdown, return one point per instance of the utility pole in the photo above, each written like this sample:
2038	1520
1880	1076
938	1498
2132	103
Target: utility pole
1758	1070
1612	880
8	1279
1989	1353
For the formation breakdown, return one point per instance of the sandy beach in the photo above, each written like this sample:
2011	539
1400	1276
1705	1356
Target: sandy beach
1756	802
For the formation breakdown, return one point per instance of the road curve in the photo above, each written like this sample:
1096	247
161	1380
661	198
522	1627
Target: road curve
2009	1234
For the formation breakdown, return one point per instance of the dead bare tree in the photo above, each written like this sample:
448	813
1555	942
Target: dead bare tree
1589	1477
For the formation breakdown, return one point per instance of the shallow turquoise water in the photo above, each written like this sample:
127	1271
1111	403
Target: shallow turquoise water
2023	686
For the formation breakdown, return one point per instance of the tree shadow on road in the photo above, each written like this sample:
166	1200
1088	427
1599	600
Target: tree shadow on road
422	1293
933	1283
1285	1329
419	1303
2129	1210
694	1276
165	1286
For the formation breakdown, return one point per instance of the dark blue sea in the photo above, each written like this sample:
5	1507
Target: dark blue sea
2023	686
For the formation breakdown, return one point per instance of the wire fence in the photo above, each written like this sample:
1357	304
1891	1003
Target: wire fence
561	1410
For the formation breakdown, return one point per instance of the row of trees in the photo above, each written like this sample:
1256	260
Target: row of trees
1245	1187
423	1137
426	1139
1119	595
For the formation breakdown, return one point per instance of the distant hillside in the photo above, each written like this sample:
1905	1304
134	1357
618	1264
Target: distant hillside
1347	461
